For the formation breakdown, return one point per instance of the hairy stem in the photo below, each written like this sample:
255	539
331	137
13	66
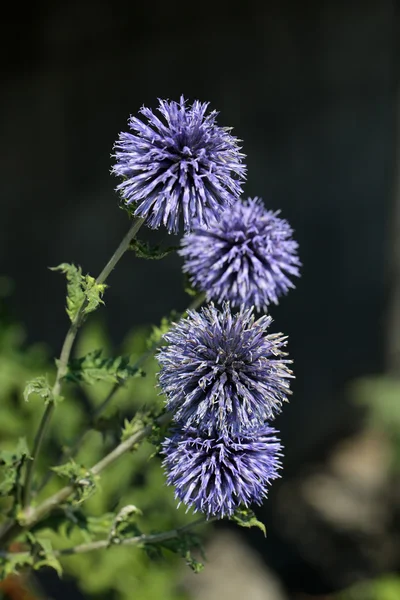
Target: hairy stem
139	540
120	251
64	358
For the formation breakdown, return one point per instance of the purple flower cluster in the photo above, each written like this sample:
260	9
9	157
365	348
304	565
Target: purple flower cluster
180	166
217	473
245	257
223	371
223	374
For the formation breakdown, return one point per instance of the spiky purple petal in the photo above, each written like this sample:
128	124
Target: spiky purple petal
223	371
181	166
246	257
218	473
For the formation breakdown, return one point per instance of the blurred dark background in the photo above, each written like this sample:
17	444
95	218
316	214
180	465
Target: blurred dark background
310	87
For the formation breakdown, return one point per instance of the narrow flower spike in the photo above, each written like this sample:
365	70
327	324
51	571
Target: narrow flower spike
182	166
245	257
222	371
216	474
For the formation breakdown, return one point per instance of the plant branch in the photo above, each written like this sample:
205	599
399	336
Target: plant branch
64	358
73	450
31	516
139	540
120	251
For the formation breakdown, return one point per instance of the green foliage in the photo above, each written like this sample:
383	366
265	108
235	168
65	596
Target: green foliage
39	553
245	517
80	478
42	388
158	331
42	553
134	480
11	463
145	250
137	423
83	293
183	545
94	367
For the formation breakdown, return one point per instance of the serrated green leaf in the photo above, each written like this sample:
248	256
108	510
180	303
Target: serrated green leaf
82	479
144	250
12	462
195	565
93	293
244	517
94	367
75	293
42	388
7	484
13	563
83	292
139	421
10	458
71	518
183	545
42	553
46	557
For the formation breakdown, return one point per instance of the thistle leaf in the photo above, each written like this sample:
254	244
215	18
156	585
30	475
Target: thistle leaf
12	462
83	293
94	367
84	482
42	388
144	250
244	517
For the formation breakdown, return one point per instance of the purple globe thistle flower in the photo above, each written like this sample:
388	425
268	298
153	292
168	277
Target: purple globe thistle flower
222	371
216	474
183	166
245	257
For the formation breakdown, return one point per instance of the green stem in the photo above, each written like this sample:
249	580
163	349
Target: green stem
120	251
64	358
139	540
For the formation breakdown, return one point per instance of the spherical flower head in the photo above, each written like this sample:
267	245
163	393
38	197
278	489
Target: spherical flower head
223	371
246	257
216	474
182	166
